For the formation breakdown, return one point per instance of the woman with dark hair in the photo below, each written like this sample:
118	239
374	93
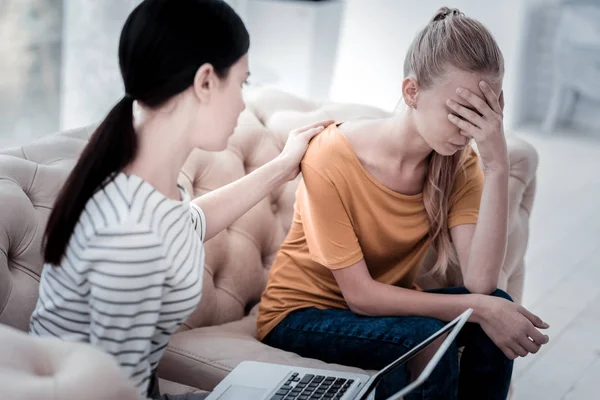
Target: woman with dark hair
123	246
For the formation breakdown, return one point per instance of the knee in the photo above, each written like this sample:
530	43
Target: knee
412	331
501	293
428	328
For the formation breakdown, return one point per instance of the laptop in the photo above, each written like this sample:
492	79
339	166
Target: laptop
264	381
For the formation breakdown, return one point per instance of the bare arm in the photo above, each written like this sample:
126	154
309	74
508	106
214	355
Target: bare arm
511	327
481	248
225	205
365	296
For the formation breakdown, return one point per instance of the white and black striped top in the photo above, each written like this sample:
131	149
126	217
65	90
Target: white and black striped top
131	274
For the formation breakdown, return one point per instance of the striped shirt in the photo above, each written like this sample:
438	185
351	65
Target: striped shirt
131	274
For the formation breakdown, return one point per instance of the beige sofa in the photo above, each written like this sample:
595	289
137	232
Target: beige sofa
221	332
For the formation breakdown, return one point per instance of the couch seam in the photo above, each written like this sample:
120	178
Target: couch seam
4	178
259	146
37	167
519	179
247	236
30	241
231	294
27	271
10	286
196	357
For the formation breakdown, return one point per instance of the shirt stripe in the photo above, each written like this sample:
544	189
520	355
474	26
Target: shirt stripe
130	276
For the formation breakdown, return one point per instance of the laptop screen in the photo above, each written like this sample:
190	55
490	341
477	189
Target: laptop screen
417	364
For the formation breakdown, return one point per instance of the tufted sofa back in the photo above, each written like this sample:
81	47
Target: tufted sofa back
237	259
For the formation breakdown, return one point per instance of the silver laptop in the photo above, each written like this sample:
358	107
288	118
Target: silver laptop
263	381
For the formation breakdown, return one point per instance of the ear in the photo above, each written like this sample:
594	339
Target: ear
410	91
501	100
205	82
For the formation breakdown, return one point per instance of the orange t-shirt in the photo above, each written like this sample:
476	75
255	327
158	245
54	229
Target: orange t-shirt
342	215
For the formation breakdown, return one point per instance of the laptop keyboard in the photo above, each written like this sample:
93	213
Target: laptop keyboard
312	387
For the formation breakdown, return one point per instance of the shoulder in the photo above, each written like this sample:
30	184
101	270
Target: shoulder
338	148
126	243
327	150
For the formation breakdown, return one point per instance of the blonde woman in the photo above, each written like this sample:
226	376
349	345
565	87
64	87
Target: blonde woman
376	195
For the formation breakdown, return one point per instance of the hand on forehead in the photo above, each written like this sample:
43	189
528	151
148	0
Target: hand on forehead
455	79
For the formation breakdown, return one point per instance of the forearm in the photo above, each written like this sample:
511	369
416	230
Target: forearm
379	300
228	203
488	246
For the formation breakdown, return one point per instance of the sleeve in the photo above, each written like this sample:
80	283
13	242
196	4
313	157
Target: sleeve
466	193
329	232
126	275
198	220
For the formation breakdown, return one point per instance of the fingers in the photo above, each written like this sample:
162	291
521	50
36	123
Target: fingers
471	116
531	346
310	133
519	350
491	97
477	102
511	355
537	336
463	125
324	124
535	320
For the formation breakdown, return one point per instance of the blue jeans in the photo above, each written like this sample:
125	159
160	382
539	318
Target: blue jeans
342	337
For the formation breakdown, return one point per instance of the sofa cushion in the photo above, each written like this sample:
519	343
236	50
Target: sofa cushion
30	179
202	357
174	388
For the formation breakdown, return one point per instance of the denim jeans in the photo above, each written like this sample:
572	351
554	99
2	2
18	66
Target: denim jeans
342	337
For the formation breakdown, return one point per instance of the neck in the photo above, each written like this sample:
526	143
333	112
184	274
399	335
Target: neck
403	141
162	151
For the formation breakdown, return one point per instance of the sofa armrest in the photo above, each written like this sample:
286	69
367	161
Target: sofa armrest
34	368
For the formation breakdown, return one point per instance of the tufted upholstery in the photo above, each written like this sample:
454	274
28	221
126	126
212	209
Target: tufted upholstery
45	368
221	332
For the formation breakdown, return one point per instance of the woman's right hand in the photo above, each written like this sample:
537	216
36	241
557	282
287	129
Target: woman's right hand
296	146
512	328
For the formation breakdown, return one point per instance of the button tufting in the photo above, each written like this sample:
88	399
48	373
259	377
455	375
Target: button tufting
274	207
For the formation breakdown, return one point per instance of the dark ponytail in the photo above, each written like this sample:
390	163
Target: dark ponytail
111	147
162	45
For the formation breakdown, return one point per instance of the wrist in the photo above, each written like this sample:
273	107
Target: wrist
282	169
480	309
501	169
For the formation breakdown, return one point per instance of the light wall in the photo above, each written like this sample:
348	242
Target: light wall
376	35
91	82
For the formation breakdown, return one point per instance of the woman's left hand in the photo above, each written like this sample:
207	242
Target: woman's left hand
296	146
485	126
